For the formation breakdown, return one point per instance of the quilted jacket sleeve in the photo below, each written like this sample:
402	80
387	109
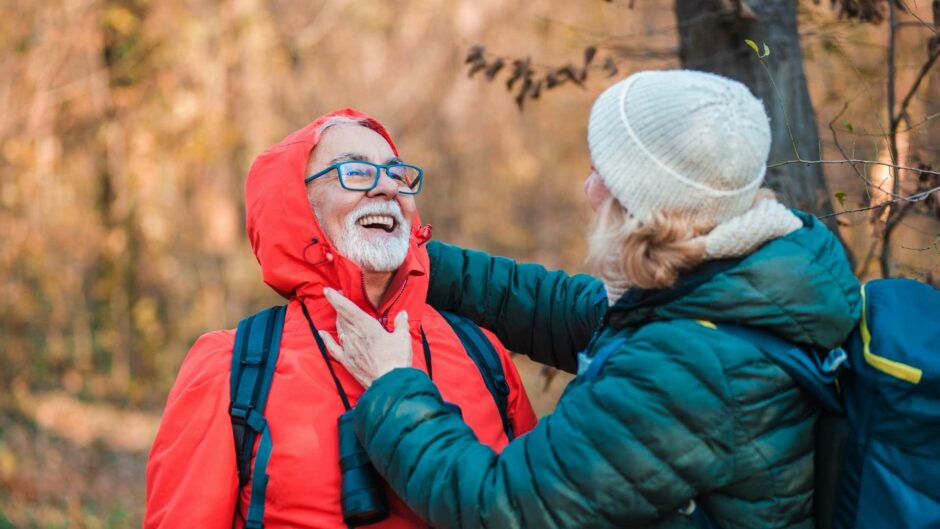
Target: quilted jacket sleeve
191	475
627	448
547	315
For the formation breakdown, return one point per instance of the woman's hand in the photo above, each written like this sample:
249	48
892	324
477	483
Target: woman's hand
368	351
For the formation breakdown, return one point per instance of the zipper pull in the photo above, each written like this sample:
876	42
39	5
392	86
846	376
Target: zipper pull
424	234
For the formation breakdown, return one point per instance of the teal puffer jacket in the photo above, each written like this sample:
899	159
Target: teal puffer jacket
680	411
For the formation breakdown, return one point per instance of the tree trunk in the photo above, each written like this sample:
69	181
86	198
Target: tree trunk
711	38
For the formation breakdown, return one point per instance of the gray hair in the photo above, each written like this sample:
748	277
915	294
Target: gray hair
339	120
332	122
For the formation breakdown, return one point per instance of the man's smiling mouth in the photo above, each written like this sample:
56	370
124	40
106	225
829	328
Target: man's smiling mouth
386	223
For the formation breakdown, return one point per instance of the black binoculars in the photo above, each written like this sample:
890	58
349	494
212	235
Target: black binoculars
362	497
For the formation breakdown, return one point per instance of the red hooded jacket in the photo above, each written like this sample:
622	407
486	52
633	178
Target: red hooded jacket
191	476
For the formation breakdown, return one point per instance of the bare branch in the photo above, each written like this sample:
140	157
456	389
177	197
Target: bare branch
910	128
858	210
783	106
857	161
835	139
891	223
919	21
892	79
885	259
920	196
935	246
894	215
924	70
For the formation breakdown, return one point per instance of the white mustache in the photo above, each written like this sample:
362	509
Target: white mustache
391	209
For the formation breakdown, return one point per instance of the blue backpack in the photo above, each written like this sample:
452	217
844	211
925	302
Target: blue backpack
878	439
877	462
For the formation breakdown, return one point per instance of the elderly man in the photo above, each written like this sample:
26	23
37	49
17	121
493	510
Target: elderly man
354	230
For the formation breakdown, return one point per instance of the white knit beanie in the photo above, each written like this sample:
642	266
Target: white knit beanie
688	142
680	141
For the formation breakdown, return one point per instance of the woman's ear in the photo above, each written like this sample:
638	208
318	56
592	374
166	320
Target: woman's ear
595	191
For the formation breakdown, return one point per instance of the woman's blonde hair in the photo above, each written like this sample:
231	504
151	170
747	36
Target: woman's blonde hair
648	254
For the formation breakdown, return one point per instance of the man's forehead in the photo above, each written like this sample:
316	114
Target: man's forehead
360	157
352	142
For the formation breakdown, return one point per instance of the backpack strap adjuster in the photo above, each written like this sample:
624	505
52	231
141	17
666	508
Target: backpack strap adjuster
239	412
247	416
254	358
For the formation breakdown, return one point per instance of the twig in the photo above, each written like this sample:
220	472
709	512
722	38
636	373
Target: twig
917	24
916	197
894	216
783	107
892	77
920	22
835	139
858	161
911	127
935	245
858	210
865	86
924	70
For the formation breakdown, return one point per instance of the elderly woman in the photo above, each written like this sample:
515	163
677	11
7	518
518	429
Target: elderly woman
668	412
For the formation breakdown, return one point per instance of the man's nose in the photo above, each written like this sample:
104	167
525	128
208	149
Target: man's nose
384	187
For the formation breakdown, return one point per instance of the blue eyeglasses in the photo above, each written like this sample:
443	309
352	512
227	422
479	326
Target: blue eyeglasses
364	176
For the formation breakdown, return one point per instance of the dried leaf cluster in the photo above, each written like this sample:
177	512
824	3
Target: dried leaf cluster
529	80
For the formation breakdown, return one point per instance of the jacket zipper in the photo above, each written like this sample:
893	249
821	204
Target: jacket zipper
605	321
383	318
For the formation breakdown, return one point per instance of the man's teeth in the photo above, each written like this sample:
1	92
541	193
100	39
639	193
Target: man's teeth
385	221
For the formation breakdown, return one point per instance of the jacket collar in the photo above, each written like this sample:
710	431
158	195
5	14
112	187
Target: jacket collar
638	306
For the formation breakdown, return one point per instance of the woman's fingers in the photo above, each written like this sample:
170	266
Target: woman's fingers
335	349
365	347
345	308
401	324
353	354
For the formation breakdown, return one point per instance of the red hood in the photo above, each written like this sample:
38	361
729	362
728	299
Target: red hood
297	259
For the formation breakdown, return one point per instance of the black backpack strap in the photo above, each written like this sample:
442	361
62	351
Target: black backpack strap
486	358
254	356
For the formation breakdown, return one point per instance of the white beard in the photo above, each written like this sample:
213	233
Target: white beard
381	253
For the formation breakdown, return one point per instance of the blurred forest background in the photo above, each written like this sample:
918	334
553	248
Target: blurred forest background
127	128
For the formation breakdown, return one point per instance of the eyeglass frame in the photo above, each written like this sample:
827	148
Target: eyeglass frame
375	181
